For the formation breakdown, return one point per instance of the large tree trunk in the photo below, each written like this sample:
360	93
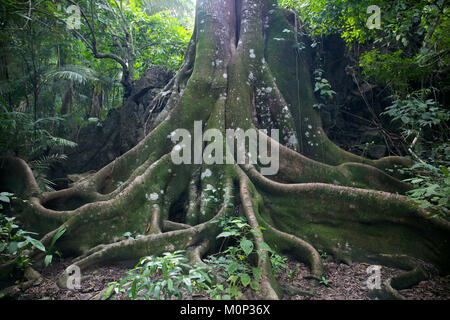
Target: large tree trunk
241	71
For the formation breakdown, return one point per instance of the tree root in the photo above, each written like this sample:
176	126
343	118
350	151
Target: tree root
308	206
152	244
268	289
33	278
303	250
154	226
195	254
353	196
296	168
417	271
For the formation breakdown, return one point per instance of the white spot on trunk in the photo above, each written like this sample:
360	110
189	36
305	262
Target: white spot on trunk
293	140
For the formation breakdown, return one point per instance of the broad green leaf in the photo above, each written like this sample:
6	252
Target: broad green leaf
8	194
247	246
257	273
245	279
164	271
57	235
157	291
133	289
187	282
266	247
48	259
254	285
225	234
12	247
232	267
108	291
36	243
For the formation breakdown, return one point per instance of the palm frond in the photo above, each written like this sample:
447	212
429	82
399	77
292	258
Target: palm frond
41	166
61	142
74	73
44	162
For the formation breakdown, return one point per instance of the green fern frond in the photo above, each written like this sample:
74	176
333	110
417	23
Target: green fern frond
61	142
74	73
44	162
41	166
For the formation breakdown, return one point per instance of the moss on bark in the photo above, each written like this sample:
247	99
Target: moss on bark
238	73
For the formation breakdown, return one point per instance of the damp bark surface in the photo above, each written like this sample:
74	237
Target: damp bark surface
241	70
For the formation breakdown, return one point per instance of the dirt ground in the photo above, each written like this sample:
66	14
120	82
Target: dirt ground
349	282
342	282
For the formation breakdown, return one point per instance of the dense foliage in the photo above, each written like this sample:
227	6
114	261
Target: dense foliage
65	64
222	276
15	244
406	54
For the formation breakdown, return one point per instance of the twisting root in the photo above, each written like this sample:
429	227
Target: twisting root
152	244
300	248
132	249
326	199
195	255
33	278
173	226
267	282
287	242
296	168
23	181
153	226
355	196
417	271
105	209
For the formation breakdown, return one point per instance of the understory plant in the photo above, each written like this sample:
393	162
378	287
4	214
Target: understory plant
51	251
16	244
224	275
431	188
234	267
162	278
424	129
323	88
33	140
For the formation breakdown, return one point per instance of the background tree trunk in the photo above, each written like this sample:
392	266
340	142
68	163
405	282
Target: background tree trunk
67	99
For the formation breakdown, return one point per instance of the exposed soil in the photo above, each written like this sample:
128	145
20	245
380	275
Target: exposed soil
348	282
342	282
93	281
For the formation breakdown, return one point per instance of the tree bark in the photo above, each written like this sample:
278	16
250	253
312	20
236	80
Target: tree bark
241	71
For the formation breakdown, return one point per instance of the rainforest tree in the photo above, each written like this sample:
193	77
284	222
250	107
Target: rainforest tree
51	82
243	70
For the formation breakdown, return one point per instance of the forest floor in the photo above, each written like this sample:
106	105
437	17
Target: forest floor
342	282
